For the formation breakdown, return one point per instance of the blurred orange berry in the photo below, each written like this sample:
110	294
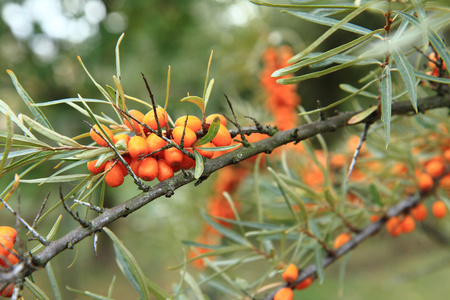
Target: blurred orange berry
138	147
341	239
284	294
134	165
150	121
164	170
393	226
187	162
435	167
374	218
439	209
98	138
91	167
189	136
290	274
408	225
155	142
7	291
425	182
148	170
173	157
304	284
114	177
193	122
138	116
445	182
447	155
419	212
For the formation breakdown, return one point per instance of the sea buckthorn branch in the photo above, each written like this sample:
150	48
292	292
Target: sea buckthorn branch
167	187
371	229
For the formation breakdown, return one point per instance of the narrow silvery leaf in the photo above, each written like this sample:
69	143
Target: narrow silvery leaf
407	74
386	102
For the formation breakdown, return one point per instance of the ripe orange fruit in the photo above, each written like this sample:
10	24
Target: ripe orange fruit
121	136
304	284
138	116
290	274
447	155
408	224
128	160
148	170
173	157
138	147
284	294
7	240
114	177
393	226
187	162
91	167
164	170
374	218
445	182
341	239
189	136
134	165
193	122
12	259
7	291
435	167
425	182
222	138
155	142
98	137
206	153
419	212
439	209
210	119
150	121
9	232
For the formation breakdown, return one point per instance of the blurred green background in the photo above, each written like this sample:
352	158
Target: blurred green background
40	41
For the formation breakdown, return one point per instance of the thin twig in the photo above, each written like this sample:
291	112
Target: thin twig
75	216
41	210
357	151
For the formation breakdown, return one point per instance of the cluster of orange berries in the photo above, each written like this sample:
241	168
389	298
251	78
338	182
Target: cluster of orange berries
434	58
8	256
290	275
148	154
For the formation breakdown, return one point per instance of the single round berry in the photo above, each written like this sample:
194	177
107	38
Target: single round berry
148	170
138	147
99	138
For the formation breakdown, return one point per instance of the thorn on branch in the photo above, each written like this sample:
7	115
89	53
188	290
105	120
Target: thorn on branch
258	125
75	216
245	143
321	114
91	206
41	210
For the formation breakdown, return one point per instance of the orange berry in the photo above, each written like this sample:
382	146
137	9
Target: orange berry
138	116
393	226
138	147
439	209
435	167
173	157
222	138
187	162
210	119
189	136
148	170
9	232
447	155
193	122
134	165
164	170
408	224
290	274
128	160
150	121
284	294
445	182
374	218
205	153
99	138
12	259
419	212
91	167
7	239
425	182
304	284
7	291
155	142
121	136
341	239
114	177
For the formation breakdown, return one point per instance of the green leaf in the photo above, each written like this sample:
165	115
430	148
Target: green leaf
23	141
331	22
99	87
199	165
68	167
88	154
440	47
326	5
53	135
52	279
84	112
362	115
386	102
432	78
208	91
344	58
157	291
56	179
5	109
318	262
196	100
225	231
37	113
117	52
89	294
351	89
35	290
194	286
375	195
8	142
212	132
130	267
318	74
330	31
49	236
407	74
69	100
320	57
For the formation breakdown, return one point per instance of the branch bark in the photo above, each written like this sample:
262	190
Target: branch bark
168	187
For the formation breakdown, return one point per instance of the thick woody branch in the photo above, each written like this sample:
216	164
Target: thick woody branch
168	187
